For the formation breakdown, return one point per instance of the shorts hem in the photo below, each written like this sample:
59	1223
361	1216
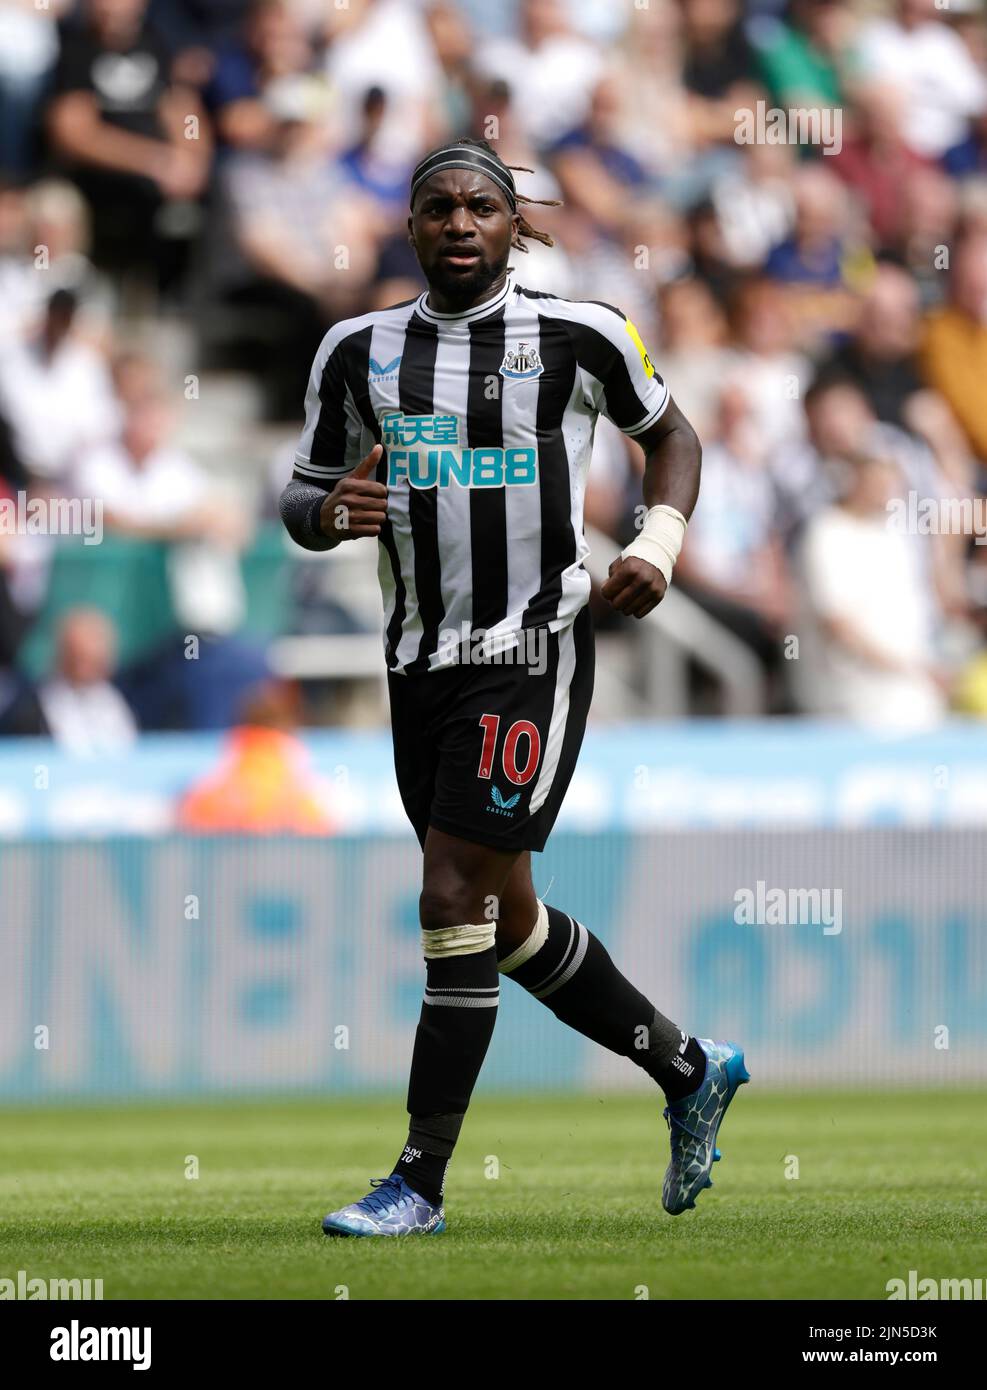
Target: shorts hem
534	842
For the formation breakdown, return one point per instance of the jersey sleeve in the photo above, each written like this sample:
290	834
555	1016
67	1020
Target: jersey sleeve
330	442
623	383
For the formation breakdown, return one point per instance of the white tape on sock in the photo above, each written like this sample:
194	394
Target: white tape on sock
537	939
467	940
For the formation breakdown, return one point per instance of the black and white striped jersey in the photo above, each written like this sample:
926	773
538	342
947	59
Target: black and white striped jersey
487	421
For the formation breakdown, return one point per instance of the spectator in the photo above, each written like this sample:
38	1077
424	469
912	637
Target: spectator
764	355
596	173
928	214
629	269
840	423
732	562
972	207
292	210
28	50
56	393
866	643
754	204
879	355
386	44
136	378
194	28
453	45
954	343
711	258
969	157
719	69
19	289
77	705
274	46
263	785
60	238
940	84
801	58
397	275
121	128
693	351
308	240
874	161
812	261
549	69
551	268
151	490
655	125
380	178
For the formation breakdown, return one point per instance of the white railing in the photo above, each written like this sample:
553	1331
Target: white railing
678	631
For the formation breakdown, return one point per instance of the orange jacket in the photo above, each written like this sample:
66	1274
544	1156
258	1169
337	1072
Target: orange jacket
262	786
954	361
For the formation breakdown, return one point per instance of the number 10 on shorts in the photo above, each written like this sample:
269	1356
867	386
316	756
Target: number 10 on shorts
517	773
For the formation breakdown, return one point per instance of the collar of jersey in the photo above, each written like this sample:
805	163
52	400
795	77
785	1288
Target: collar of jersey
481	311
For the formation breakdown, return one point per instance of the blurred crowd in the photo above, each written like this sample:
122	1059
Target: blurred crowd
241	167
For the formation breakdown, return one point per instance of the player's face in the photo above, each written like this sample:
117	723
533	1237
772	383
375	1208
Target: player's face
461	228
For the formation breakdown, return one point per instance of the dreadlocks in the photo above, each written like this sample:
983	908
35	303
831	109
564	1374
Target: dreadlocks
470	153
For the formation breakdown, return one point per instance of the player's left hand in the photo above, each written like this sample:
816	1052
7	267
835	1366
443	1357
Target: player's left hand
634	587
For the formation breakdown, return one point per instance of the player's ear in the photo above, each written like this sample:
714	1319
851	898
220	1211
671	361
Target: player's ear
411	235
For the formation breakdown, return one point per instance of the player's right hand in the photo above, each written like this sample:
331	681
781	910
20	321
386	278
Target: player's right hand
357	505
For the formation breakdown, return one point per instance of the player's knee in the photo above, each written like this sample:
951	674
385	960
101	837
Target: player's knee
447	904
517	910
452	924
522	936
515	922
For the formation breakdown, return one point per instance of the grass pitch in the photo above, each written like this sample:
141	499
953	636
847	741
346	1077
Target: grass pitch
888	1182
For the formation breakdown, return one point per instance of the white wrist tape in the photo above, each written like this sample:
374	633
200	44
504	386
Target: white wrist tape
660	540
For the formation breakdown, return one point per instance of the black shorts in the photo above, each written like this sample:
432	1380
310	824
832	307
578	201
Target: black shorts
486	751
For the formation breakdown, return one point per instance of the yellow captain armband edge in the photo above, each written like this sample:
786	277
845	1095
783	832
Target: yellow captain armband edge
642	350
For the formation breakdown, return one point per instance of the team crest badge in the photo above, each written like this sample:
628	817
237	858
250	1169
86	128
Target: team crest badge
521	363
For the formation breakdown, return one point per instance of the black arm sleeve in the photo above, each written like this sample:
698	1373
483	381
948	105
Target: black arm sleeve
300	504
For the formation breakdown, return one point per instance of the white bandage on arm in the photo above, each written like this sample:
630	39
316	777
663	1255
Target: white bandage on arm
458	941
660	540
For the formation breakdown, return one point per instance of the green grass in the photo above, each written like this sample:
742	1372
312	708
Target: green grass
889	1181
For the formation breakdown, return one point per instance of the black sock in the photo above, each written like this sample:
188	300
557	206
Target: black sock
688	1070
454	1032
573	975
426	1155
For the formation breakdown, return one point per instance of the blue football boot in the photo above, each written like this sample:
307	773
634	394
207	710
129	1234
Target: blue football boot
693	1123
392	1209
